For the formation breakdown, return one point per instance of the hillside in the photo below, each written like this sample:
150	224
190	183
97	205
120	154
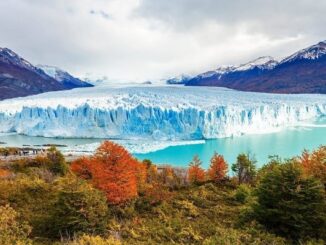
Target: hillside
112	198
18	77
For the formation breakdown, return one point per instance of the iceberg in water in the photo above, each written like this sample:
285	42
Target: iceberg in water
156	112
135	147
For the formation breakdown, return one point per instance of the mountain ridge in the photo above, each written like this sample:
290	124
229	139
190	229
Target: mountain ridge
18	77
301	72
63	77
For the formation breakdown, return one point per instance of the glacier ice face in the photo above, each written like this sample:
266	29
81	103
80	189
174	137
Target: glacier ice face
156	112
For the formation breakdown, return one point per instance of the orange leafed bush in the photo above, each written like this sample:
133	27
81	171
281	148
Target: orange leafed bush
113	170
218	168
314	163
195	173
141	176
157	193
167	176
4	173
152	174
83	167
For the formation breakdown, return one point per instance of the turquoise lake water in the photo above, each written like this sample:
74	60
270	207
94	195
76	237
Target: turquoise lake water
286	143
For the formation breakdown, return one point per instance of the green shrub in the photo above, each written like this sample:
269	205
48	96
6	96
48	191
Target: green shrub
125	211
79	208
313	242
94	240
232	236
274	162
54	162
242	193
245	168
187	207
58	163
31	198
290	204
12	231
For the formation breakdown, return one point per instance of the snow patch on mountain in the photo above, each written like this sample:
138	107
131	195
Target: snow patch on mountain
311	53
63	77
263	63
51	71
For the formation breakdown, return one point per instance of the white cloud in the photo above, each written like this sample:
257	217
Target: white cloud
151	39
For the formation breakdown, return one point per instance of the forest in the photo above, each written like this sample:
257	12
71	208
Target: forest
111	198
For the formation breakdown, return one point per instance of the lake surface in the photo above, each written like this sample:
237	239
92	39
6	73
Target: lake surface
286	143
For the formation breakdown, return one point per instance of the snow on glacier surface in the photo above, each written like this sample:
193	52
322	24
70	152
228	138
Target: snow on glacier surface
156	112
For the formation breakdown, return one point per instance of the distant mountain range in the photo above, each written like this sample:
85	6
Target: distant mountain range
18	77
64	77
302	72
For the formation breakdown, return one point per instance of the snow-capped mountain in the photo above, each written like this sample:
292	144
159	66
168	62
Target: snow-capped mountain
153	112
18	77
263	63
9	57
302	72
63	77
311	53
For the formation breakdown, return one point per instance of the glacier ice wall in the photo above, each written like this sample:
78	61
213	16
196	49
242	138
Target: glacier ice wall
169	113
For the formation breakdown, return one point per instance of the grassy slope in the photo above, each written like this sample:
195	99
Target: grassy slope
206	214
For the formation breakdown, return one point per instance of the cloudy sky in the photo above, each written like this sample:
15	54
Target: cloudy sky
138	40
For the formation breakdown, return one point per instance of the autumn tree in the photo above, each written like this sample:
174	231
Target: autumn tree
195	172
113	170
166	176
141	176
152	174
314	164
218	168
245	168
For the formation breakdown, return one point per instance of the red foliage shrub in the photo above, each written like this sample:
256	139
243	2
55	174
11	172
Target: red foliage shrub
157	193
218	168
113	170
314	163
4	173
195	173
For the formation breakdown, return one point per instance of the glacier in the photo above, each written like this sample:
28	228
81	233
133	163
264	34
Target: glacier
151	112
